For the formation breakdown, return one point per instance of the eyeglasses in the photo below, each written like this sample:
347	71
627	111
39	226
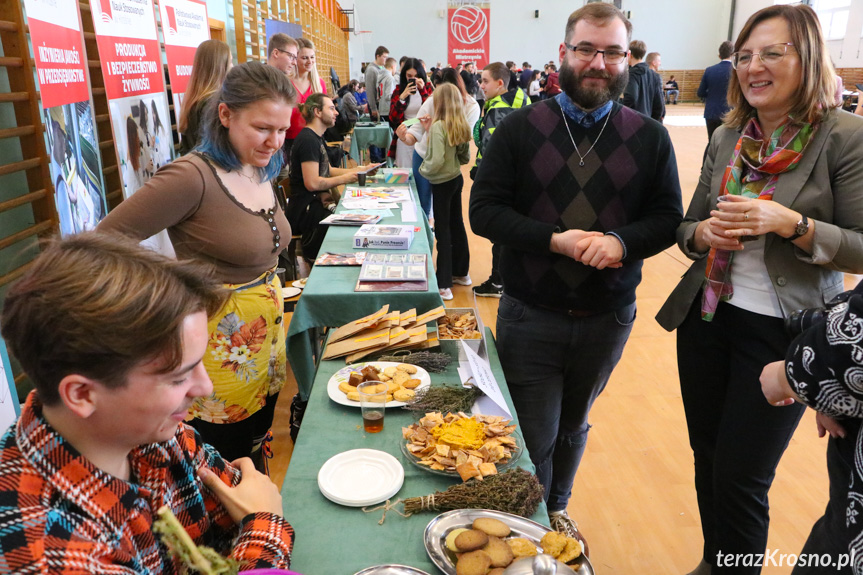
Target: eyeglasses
769	55
587	54
291	55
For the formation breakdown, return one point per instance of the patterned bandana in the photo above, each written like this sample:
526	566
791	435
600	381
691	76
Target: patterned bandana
753	171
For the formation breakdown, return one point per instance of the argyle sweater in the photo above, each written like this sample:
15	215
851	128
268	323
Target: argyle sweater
60	514
530	185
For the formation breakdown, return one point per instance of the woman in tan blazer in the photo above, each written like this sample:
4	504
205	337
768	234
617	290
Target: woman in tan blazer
775	219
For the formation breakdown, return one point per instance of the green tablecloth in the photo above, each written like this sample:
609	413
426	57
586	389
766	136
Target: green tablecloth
337	540
329	299
380	135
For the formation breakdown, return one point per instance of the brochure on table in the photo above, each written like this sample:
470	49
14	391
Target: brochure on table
478	371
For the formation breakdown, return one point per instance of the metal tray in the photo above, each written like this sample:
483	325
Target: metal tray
437	529
391	569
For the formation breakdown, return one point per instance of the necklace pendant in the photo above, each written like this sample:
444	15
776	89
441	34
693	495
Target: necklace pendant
581	163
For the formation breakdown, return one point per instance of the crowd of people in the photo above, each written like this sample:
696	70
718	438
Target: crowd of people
575	182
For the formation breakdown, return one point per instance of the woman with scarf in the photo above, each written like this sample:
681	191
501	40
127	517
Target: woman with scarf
776	218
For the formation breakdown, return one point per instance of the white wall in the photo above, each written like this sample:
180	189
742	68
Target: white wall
687	34
847	53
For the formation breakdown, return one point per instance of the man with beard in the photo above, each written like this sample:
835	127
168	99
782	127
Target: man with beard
578	190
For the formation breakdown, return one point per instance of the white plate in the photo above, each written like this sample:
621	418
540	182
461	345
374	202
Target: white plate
289	292
360	477
344	373
438	528
299	284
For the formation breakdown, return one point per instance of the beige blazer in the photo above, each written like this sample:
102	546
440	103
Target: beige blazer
826	186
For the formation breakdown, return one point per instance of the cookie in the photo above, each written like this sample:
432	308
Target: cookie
346	387
571	551
404	395
521	547
471	540
553	543
491	526
390	371
407	368
354	395
401	377
450	538
496	571
500	553
473	563
411	384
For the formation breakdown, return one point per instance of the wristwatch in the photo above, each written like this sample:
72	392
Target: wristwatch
801	229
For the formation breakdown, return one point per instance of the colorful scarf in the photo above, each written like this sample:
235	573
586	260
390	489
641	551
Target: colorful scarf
753	171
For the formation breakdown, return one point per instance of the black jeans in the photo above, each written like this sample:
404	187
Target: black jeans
737	438
711	127
453	252
556	366
495	265
830	534
240	439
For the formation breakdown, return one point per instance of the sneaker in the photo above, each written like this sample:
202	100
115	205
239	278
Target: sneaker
562	523
445	294
462	280
488	289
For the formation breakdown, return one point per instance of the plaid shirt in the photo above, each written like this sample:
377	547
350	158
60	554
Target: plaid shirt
61	514
397	112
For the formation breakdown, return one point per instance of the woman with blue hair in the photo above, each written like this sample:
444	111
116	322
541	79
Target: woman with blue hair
218	206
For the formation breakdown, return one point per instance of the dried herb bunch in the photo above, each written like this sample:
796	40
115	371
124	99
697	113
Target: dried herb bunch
514	491
444	398
192	558
432	362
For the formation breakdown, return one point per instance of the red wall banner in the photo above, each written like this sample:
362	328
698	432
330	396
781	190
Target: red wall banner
184	27
55	32
128	47
468	35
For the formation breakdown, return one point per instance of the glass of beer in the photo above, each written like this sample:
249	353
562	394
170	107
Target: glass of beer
373	399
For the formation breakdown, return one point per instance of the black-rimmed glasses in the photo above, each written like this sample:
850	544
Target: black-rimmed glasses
291	55
769	55
588	53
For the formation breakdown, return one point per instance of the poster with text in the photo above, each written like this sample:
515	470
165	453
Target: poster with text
184	26
75	164
10	407
468	35
61	65
134	84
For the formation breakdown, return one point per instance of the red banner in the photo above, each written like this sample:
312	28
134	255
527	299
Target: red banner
468	36
55	32
128	47
184	27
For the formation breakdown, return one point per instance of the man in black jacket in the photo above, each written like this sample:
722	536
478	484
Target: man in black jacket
578	190
643	92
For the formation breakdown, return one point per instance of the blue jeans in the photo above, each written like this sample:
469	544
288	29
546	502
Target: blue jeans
424	190
556	366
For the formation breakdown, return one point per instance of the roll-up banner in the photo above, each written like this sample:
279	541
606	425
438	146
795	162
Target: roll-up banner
61	69
184	27
468	36
135	87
